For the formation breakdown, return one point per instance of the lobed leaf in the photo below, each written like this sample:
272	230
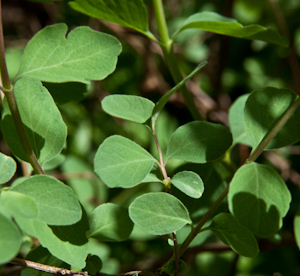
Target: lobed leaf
216	23
158	213
236	121
239	238
56	202
259	199
189	183
42	120
81	56
110	222
119	162
127	13
199	142
263	110
10	239
128	107
8	168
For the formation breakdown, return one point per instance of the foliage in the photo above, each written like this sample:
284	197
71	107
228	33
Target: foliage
185	178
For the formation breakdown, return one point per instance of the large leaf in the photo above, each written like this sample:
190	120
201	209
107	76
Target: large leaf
8	168
42	120
158	213
238	237
127	13
236	121
189	183
110	222
259	199
56	202
263	110
122	163
10	239
83	55
128	107
199	142
216	23
67	243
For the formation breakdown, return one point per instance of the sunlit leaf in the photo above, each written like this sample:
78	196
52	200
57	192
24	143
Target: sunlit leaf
8	168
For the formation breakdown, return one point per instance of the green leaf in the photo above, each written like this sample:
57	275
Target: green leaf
119	162
10	239
20	204
93	265
83	55
128	107
42	256
259	199
127	13
56	202
110	222
199	142
216	23
239	238
189	183
67	243
164	99
158	213
297	227
8	168
263	110
236	121
42	120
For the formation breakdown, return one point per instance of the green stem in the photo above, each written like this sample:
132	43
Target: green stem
170	58
260	148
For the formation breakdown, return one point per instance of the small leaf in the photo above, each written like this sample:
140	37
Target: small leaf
20	204
263	110
83	55
158	213
42	120
297	227
93	265
127	13
189	183
42	256
8	168
239	238
259	199
119	162
216	23
236	121
199	142
110	222
10	239
56	202
67	243
128	107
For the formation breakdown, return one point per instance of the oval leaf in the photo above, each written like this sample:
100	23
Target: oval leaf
52	57
239	238
119	162
297	227
20	204
158	213
56	202
263	110
128	107
199	142
8	168
10	239
216	23
43	123
127	13
110	222
189	183
259	199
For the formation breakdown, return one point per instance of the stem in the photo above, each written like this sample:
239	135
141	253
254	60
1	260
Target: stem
260	148
175	253
167	47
